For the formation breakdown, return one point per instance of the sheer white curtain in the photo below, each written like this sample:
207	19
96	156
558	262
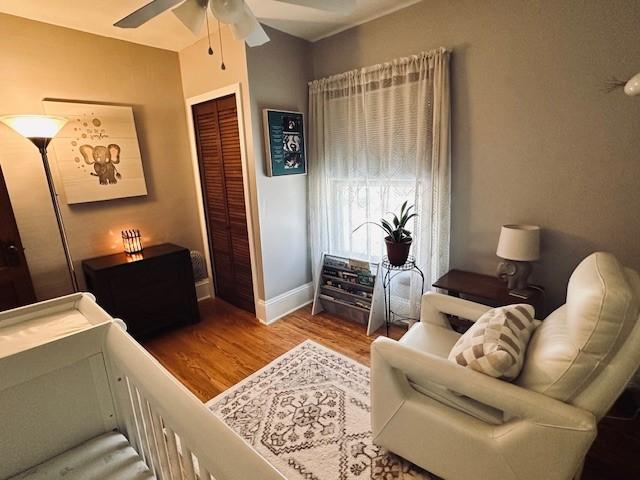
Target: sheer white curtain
380	136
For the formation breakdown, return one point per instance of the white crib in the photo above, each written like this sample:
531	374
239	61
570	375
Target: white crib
80	399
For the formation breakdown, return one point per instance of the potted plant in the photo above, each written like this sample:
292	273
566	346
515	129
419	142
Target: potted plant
398	238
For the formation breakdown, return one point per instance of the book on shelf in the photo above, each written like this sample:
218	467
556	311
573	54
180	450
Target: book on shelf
351	271
349	288
343	301
346	289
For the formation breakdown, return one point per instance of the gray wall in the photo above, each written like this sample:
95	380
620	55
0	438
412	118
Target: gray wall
534	138
278	73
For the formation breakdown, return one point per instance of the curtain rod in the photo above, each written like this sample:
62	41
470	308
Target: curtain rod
380	66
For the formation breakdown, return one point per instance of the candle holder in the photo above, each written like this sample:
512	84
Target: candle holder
131	241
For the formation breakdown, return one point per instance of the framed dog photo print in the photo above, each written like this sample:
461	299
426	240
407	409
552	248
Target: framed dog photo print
284	142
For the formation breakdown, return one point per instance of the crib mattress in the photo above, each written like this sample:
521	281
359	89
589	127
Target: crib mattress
106	457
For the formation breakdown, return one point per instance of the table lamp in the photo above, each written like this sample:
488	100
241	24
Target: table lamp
41	129
518	246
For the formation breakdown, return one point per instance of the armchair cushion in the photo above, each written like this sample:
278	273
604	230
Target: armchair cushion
577	340
495	345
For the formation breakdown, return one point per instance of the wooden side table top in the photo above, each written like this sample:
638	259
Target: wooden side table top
485	287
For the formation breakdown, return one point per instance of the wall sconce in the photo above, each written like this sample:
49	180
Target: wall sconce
631	87
131	241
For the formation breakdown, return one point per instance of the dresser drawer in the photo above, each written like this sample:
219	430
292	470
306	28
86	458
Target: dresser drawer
151	294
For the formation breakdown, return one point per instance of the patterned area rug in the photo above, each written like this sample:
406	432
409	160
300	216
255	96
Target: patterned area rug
307	413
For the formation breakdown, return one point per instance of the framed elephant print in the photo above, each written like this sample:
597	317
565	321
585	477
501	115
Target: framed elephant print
97	152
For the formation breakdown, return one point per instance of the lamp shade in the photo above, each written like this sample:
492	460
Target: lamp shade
519	242
35	126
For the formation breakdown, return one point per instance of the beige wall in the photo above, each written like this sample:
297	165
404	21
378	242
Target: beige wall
201	72
43	61
535	139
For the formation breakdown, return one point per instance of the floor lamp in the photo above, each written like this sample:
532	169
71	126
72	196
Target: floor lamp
41	129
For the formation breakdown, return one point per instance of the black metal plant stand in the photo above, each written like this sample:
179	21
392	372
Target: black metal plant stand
390	272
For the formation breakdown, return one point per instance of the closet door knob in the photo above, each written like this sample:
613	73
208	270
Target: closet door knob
12	254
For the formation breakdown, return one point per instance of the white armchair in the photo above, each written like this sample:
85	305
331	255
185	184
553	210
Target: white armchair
461	424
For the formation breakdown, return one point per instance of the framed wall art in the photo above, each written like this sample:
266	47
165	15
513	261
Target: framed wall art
97	152
285	145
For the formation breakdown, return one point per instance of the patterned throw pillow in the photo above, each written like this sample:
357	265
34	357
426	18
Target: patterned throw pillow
495	345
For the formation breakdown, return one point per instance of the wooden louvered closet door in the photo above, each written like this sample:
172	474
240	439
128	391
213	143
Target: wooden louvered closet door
218	140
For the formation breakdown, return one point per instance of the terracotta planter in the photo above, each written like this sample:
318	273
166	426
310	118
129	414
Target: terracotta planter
397	252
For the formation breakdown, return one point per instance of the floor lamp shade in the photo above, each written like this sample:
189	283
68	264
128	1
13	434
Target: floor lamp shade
35	126
519	242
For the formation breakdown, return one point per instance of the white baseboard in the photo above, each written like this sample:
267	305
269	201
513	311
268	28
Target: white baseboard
203	289
277	307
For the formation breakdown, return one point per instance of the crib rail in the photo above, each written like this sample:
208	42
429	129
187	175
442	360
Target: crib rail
171	429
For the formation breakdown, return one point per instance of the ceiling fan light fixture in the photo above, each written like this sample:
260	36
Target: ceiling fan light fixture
228	11
192	14
248	28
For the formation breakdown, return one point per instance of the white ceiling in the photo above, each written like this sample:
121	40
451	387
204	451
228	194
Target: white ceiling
166	31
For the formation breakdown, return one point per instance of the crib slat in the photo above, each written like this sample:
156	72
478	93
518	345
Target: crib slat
131	423
187	463
161	442
174	455
204	473
142	430
153	446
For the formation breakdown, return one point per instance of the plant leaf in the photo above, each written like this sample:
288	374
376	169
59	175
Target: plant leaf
366	223
387	226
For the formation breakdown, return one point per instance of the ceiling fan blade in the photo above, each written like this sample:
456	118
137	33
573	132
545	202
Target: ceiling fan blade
192	14
248	28
146	13
342	6
257	37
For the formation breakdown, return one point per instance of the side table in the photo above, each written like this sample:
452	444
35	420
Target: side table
390	272
485	289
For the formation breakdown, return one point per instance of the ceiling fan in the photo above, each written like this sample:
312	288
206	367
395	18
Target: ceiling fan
245	26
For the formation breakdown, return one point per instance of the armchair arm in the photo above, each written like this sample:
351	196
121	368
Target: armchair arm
511	399
435	307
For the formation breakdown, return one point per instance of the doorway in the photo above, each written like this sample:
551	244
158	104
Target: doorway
16	288
217	135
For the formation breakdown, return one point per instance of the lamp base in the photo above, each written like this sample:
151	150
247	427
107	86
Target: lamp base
516	274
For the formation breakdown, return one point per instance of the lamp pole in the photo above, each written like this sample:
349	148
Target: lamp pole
41	143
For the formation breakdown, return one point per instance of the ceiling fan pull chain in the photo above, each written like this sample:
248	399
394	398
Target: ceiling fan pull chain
206	16
222	65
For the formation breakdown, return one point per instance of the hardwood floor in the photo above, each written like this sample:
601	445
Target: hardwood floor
229	344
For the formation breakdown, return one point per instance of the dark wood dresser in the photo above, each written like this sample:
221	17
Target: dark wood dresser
151	291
